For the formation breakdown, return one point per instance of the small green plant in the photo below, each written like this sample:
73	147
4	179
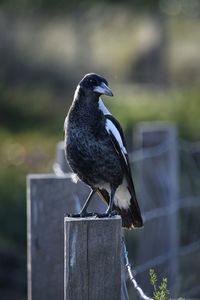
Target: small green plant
161	291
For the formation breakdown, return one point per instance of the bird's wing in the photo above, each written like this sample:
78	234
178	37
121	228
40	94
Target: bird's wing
117	137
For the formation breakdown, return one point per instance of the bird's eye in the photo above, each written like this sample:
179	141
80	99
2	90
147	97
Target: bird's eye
93	81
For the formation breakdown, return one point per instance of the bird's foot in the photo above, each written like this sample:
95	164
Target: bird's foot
81	215
114	213
107	214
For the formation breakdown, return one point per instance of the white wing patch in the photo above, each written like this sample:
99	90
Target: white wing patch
122	197
110	127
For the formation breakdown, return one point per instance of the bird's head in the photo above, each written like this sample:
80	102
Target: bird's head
95	84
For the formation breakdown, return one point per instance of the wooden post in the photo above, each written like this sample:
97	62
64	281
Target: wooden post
92	258
60	160
158	193
61	166
49	198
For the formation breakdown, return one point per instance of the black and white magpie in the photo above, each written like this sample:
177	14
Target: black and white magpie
96	151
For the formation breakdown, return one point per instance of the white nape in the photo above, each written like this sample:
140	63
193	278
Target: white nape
110	127
76	91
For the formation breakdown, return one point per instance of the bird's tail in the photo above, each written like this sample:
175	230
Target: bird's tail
131	217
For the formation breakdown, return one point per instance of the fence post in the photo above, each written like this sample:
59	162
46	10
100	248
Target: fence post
92	259
49	198
158	179
60	160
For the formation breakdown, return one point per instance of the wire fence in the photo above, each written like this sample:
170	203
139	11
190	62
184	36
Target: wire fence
139	290
153	246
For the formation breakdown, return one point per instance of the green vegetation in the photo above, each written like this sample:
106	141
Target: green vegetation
179	106
20	154
160	291
52	5
32	123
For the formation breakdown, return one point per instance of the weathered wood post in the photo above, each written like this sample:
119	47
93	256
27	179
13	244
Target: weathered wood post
61	166
158	180
60	160
49	198
92	259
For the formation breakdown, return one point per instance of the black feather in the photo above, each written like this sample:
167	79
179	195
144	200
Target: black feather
134	210
93	152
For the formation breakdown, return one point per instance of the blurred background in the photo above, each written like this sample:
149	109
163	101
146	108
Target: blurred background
149	50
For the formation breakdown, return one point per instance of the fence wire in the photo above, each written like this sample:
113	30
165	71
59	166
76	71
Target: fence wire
157	213
139	290
173	249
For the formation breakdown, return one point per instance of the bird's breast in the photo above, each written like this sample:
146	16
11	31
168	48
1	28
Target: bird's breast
90	151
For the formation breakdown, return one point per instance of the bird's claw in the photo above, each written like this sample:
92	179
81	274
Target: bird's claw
107	214
81	215
92	214
113	213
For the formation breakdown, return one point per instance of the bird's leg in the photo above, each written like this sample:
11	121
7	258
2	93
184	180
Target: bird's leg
110	206
83	212
109	212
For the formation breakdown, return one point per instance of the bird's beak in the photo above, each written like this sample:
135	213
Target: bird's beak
103	89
